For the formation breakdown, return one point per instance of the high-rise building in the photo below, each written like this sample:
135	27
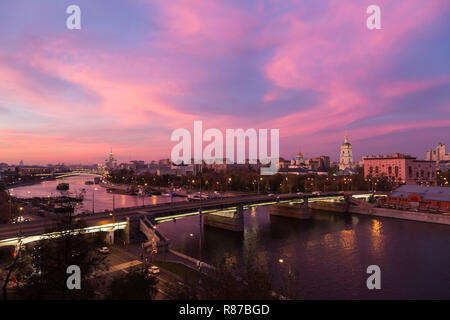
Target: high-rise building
111	162
440	154
346	155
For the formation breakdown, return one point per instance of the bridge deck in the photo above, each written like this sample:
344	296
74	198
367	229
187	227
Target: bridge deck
152	212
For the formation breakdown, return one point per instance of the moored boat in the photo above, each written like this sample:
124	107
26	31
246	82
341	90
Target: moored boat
62	186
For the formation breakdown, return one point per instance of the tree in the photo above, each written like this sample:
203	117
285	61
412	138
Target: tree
10	269
7	209
49	258
137	284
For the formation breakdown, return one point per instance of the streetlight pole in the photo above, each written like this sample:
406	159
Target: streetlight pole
200	211
93	200
10	205
20	222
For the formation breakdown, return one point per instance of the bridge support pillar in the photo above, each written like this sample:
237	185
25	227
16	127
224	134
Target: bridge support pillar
132	230
239	216
127	231
305	207
110	237
291	210
347	203
224	220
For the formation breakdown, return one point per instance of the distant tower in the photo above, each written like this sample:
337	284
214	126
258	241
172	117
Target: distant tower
346	156
111	163
21	163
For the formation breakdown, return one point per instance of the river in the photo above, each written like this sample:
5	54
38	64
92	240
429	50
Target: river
325	257
93	194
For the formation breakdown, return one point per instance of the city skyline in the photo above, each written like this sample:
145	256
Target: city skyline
138	70
122	159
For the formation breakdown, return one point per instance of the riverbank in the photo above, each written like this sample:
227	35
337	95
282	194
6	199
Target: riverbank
26	184
383	212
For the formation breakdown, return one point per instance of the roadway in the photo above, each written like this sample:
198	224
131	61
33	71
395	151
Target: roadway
38	227
152	211
122	258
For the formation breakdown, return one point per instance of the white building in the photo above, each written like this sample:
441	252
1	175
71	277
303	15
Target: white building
346	155
440	154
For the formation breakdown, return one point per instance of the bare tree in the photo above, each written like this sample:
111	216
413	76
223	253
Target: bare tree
11	269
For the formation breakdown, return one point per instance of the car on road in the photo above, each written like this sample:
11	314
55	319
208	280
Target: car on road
300	193
316	193
103	250
270	195
152	270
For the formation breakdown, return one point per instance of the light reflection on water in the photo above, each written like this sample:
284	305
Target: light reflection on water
330	253
93	193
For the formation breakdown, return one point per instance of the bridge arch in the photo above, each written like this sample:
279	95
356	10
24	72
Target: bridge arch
73	174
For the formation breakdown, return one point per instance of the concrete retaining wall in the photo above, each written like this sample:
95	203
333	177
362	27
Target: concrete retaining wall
383	212
405	215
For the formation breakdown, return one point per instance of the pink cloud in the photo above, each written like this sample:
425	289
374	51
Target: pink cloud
127	89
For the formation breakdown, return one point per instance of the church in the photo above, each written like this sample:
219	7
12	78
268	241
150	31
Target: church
346	155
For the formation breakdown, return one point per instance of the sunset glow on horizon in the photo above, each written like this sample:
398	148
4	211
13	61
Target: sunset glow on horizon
139	69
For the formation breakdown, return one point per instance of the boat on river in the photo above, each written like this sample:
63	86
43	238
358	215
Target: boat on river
62	186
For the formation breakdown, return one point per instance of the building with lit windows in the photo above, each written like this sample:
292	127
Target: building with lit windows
401	169
111	162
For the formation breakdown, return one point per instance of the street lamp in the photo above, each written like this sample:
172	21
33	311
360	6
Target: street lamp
93	200
281	261
113	200
143	198
111	214
10	205
260	179
20	221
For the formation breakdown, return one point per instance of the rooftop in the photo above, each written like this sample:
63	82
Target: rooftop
430	192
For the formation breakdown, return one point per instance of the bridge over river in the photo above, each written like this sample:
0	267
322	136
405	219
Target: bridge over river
129	218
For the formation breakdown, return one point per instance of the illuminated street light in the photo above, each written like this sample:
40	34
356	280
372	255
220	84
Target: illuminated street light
93	200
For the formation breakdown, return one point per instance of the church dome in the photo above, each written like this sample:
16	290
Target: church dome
346	143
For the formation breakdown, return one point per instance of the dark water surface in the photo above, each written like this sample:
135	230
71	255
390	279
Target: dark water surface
326	257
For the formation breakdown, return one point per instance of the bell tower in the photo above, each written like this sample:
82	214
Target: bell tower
346	155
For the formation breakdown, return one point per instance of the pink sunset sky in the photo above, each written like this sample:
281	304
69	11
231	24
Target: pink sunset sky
139	69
